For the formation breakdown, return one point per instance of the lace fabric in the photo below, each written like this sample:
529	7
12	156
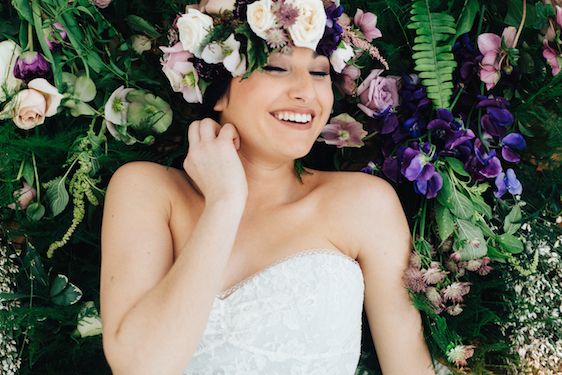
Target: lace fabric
300	315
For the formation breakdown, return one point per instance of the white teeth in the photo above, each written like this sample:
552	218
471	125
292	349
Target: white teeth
294	117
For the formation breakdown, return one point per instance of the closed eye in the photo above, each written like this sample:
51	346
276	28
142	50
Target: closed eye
271	68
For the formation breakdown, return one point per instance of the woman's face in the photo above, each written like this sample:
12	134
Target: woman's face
296	85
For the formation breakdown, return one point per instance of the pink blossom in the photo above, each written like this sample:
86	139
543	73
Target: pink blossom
473	264
378	93
347	82
367	22
343	131
454	310
484	267
181	73
460	353
24	196
413	279
552	58
435	298
456	291
433	275
559	15
489	45
415	260
101	3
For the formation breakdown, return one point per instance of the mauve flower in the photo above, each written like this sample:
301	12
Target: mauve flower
332	32
473	264
456	291
559	15
507	182
24	196
54	35
343	131
347	82
370	168
510	144
378	93
482	164
101	3
433	275
415	260
181	72
416	165
367	22
413	279
31	65
430	187
460	353
552	58
489	45
484	267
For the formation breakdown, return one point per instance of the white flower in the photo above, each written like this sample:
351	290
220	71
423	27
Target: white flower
227	53
260	17
309	28
140	43
89	322
340	56
116	106
193	28
9	52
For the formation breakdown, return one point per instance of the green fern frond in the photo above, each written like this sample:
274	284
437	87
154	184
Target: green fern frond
432	51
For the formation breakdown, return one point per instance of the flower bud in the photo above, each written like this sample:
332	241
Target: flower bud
140	43
30	65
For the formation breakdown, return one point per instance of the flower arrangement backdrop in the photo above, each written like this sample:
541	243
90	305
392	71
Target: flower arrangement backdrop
456	103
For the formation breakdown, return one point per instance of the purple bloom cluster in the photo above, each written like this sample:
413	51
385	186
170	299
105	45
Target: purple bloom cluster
30	65
332	32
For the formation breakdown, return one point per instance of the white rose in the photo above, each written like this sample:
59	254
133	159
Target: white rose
193	28
260	17
233	61
310	25
9	52
340	56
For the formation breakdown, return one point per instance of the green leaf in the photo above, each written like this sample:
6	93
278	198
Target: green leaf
536	16
33	263
512	221
63	292
5	297
24	10
28	173
433	45
57	196
481	206
467	16
84	89
444	220
461	206
35	211
497	255
473	243
444	195
510	243
140	25
457	166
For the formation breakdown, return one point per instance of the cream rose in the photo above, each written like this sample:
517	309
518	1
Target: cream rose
340	56
33	104
309	28
260	17
216	6
9	52
193	27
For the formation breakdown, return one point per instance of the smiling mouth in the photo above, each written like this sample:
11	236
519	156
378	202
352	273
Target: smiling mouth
294	124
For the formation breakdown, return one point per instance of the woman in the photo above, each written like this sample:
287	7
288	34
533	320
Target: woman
234	266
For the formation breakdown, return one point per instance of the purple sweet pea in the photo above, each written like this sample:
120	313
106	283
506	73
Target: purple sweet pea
483	165
416	165
31	65
511	143
431	187
448	132
507	182
332	31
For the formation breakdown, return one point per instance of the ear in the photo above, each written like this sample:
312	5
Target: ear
220	105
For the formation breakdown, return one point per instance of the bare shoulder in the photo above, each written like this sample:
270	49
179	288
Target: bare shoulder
367	212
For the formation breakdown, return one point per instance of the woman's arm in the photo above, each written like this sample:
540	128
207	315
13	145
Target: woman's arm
154	311
384	246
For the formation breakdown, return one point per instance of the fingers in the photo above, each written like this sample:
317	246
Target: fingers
208	129
229	131
193	133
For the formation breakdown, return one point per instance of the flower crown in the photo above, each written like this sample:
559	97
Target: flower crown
213	40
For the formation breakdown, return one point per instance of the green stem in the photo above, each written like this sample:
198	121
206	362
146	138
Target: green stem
521	24
29	46
36	177
457	96
423	215
38	23
481	19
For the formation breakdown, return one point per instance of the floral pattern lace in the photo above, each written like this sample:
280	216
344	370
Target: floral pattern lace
300	315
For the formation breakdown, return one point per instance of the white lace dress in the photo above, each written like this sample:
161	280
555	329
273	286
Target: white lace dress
299	316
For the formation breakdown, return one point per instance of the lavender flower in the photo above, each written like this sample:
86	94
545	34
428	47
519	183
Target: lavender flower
30	65
430	187
483	165
507	182
332	31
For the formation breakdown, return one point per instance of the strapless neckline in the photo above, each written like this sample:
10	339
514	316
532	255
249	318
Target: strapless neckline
224	295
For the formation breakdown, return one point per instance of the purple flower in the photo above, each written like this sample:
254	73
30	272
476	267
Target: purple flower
448	132
332	31
54	35
431	187
391	168
370	168
507	182
412	93
511	143
30	65
483	165
415	125
416	165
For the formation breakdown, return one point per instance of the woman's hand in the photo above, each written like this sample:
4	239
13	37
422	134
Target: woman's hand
212	161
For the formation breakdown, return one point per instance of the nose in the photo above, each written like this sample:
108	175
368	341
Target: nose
302	87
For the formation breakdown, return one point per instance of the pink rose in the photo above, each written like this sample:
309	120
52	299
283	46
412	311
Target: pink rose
552	58
377	94
24	196
367	22
33	104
